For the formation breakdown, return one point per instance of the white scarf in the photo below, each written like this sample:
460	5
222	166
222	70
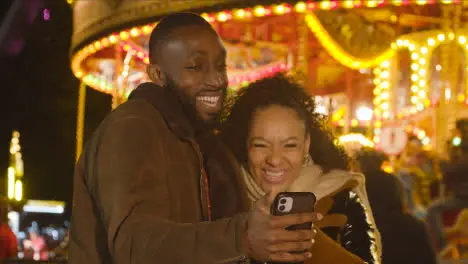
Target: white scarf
312	179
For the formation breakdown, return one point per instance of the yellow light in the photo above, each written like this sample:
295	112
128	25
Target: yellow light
300	7
414	99
414	56
371	3
124	35
397	2
411	47
414	77
422	93
421	2
441	37
280	9
325	5
422	83
385	64
259	11
462	40
424	50
222	17
431	42
399	43
461	97
414	66
422	72
147	29
451	36
385	84
348	4
422	61
414	88
11	182
18	190
113	39
134	32
338	53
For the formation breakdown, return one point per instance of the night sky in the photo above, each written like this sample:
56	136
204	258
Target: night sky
40	97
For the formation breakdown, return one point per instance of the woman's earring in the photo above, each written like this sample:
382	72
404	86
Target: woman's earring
307	160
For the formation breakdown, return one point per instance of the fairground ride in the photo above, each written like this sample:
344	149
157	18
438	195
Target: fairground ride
348	53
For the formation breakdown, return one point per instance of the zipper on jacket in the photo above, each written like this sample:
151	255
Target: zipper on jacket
204	184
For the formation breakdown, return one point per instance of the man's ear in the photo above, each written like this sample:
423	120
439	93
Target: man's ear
156	75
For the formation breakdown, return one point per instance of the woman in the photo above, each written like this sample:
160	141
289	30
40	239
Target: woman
282	145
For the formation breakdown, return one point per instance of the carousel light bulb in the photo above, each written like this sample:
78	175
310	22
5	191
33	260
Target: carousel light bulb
462	40
422	72
456	141
431	42
414	66
348	4
414	56
325	5
280	9
222	17
438	67
300	7
240	13
259	11
441	37
422	61
424	50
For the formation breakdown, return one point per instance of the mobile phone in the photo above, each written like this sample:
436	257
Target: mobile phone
294	203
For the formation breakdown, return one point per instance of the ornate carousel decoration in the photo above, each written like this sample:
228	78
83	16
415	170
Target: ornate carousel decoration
371	63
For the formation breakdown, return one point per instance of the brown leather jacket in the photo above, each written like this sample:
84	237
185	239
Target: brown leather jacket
140	195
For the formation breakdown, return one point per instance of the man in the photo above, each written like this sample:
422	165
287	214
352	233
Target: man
141	192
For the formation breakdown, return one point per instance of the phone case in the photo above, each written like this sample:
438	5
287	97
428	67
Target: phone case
302	202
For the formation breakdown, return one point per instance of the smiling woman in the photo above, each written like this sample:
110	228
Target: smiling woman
282	144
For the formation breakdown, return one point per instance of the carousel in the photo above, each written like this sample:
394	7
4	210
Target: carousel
381	68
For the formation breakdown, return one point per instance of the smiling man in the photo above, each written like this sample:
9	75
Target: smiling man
147	191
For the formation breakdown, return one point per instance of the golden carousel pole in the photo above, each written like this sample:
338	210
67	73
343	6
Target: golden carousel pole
444	112
80	119
302	61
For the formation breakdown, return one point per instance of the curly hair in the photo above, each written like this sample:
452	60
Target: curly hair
281	91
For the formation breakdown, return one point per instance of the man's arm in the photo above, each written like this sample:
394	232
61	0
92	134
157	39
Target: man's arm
132	193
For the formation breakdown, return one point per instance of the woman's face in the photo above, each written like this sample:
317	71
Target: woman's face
276	147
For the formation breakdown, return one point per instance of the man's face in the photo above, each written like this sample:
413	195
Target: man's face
193	62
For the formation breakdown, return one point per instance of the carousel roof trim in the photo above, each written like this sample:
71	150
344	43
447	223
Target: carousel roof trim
256	11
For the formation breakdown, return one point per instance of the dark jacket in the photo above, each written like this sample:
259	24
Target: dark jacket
404	238
456	177
141	194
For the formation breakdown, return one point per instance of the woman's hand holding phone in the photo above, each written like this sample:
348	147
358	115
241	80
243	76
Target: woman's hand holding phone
267	237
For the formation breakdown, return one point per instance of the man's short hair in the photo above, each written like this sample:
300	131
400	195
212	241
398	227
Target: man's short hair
167	25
